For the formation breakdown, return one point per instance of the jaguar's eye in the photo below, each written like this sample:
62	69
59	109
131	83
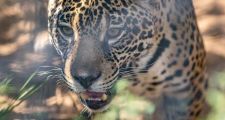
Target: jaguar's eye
66	31
114	32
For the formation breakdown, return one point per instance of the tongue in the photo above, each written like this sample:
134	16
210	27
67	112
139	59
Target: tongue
94	94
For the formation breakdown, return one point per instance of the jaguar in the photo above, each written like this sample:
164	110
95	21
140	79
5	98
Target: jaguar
155	44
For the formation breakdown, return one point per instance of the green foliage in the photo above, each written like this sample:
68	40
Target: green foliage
5	87
216	97
24	93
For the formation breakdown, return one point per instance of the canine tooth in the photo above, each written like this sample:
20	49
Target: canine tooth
104	97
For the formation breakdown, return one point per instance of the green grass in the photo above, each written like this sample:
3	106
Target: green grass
216	97
5	87
23	93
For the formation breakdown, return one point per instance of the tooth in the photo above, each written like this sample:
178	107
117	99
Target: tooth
97	99
94	99
104	97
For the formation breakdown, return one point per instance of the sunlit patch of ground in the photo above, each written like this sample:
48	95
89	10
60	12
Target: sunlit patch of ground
211	21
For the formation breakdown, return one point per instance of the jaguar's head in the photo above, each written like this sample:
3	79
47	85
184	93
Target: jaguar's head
99	41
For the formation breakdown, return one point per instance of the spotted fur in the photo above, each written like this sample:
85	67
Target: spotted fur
155	44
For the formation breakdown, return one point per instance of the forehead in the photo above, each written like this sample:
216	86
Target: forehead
89	9
107	4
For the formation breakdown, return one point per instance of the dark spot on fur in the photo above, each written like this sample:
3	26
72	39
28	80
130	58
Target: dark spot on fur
191	49
150	35
163	72
82	8
150	89
108	1
168	78
163	45
124	3
173	27
156	83
186	62
174	36
178	73
124	11
172	64
136	30
106	6
155	77
141	47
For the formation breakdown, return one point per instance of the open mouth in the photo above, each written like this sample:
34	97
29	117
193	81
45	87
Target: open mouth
96	100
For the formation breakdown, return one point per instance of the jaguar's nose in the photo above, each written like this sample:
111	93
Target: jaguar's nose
86	79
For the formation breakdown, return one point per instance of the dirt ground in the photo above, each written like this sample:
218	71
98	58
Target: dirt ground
211	21
23	27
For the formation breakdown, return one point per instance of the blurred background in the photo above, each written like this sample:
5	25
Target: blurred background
23	25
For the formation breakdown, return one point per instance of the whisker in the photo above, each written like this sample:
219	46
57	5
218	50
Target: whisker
109	84
133	67
131	72
83	110
86	110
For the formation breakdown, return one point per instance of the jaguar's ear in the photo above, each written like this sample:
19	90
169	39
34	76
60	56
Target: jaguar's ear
148	4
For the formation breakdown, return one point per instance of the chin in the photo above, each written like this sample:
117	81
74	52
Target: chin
97	101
